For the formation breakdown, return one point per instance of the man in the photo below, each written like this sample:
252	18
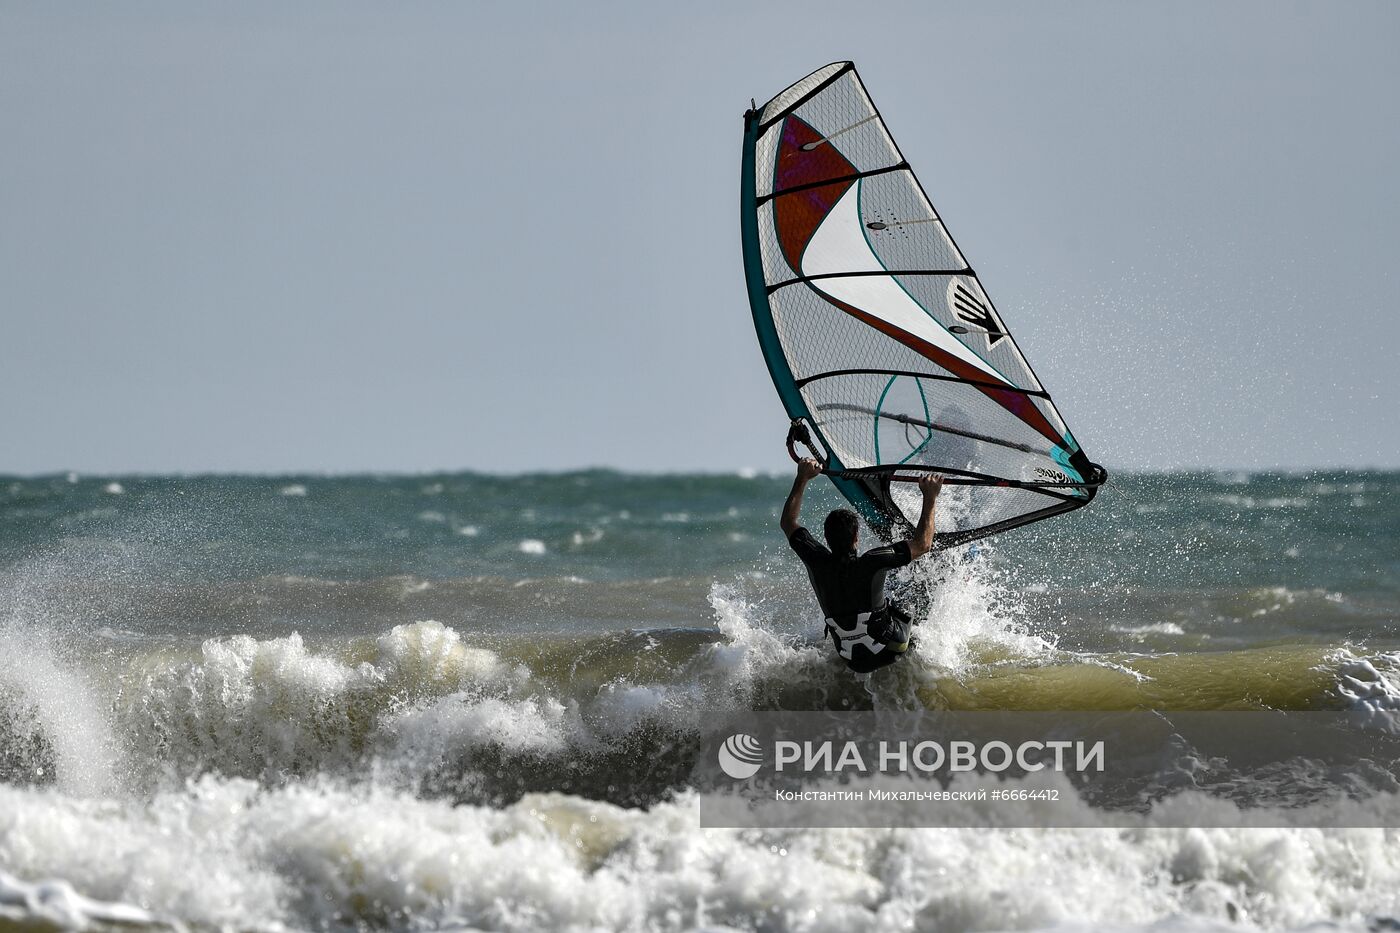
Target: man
869	631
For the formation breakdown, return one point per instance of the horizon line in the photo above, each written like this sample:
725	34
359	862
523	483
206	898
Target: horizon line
743	472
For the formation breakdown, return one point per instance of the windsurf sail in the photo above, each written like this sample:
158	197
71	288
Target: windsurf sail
889	356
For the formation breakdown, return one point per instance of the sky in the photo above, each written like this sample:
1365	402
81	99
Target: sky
404	237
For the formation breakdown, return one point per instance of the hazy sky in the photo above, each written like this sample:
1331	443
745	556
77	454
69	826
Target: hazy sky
422	236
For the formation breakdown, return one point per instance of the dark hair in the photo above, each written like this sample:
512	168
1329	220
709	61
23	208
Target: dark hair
840	529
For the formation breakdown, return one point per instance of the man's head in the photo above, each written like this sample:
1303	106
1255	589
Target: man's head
841	528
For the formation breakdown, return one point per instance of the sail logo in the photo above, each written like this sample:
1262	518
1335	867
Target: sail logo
968	307
740	756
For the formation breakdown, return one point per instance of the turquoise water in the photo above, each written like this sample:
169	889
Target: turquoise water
1315	556
1182	531
1334	530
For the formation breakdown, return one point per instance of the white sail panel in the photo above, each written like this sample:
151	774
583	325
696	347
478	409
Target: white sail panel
839	247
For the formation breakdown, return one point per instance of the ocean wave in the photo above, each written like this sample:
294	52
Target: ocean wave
487	720
494	769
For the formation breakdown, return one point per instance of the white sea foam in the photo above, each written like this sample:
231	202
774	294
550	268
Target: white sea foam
431	656
225	854
54	905
264	707
1155	628
464	720
1368	684
293	490
531	546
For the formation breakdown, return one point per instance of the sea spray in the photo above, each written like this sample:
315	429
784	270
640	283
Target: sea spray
54	724
53	727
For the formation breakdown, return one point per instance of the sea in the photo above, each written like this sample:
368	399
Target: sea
462	701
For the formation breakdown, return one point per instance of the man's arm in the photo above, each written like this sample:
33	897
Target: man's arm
792	508
922	542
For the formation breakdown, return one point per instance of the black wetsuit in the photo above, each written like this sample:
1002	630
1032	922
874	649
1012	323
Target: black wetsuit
868	630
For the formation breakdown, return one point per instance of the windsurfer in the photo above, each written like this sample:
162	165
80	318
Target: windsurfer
868	630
